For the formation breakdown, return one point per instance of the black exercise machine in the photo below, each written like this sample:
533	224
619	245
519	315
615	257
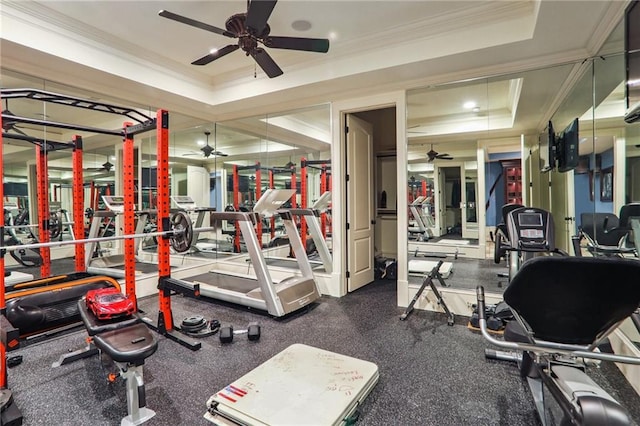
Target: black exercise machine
128	342
531	234
502	240
563	313
607	234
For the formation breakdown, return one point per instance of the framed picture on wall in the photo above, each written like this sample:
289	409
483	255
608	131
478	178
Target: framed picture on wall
606	184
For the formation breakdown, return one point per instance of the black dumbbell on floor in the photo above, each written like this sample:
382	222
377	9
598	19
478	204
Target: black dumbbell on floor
252	331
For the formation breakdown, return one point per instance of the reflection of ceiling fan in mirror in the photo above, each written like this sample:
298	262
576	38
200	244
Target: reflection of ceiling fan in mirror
106	167
9	125
251	29
208	150
434	155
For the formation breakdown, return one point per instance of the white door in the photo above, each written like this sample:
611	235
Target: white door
360	237
563	209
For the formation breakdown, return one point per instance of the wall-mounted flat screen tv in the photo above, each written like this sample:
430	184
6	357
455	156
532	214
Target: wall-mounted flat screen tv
547	149
632	61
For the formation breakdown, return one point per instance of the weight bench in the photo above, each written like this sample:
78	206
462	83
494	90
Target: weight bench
128	342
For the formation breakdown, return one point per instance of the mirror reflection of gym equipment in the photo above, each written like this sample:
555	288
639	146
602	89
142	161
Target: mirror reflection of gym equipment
447	204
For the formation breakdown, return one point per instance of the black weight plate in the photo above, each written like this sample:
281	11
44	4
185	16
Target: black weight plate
182	231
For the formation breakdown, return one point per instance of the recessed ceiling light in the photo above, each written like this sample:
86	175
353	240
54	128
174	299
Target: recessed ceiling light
333	35
200	142
112	158
301	25
469	105
213	50
476	109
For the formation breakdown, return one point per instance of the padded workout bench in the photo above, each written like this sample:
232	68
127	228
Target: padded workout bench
128	342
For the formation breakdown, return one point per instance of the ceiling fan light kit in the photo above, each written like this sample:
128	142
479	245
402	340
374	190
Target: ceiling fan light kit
252	30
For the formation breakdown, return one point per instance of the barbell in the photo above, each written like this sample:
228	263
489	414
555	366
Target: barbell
180	236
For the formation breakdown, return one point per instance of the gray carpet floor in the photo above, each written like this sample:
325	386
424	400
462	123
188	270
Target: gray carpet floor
430	373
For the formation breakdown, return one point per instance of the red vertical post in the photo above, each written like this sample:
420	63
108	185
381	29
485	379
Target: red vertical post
294	198
323	189
258	195
236	205
78	202
92	197
3	308
165	320
303	200
424	188
43	209
128	183
329	188
272	222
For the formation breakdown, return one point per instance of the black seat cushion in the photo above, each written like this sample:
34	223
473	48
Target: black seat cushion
628	212
602	228
130	344
574	299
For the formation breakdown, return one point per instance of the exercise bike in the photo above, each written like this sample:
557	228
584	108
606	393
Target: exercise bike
562	315
529	234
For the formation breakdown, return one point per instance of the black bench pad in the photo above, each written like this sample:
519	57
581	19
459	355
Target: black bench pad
130	344
95	326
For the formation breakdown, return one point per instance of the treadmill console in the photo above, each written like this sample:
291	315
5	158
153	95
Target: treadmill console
114	203
271	200
531	229
10	206
184	202
323	202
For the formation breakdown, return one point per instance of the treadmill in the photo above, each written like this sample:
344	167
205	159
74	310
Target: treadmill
311	216
205	248
258	289
113	265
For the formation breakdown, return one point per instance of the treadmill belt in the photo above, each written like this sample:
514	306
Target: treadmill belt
291	263
229	282
147	268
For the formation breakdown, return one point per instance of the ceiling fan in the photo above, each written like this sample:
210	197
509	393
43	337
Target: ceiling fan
208	150
251	29
9	124
434	155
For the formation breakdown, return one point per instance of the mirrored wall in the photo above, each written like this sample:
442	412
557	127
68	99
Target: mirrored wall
474	146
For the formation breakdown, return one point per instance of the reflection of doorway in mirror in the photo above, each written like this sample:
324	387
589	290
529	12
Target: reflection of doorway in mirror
451	197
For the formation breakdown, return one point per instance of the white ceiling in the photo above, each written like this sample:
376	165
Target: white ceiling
124	51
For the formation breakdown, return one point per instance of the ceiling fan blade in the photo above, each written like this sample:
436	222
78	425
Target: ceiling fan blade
320	45
444	158
258	15
194	23
266	63
206	59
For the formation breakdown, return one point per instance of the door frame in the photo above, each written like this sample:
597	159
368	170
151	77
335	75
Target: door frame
339	110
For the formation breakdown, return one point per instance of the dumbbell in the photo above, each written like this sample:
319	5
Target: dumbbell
252	331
